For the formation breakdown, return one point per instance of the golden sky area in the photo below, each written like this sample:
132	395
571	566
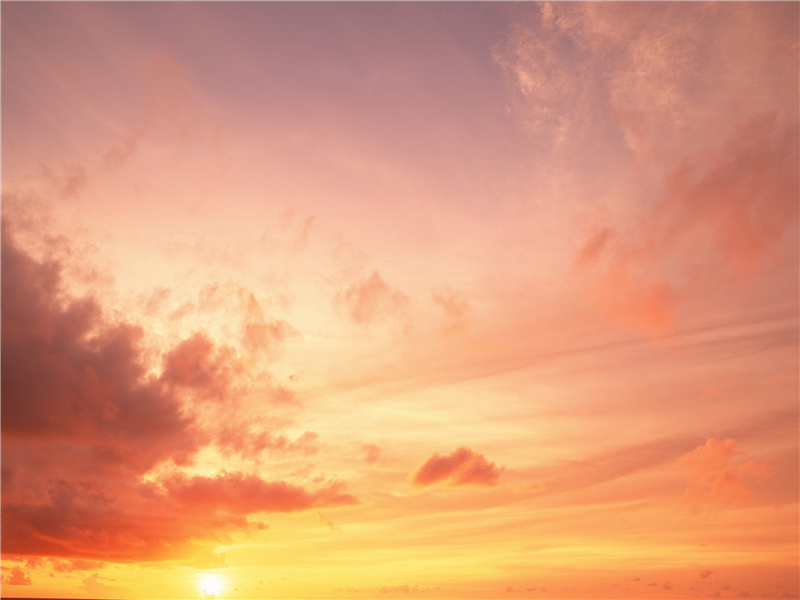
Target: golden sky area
400	300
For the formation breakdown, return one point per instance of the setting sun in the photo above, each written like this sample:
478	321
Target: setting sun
374	300
211	584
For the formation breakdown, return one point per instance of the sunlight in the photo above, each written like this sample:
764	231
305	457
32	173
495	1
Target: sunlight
211	584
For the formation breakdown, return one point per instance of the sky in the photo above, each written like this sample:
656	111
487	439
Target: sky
373	300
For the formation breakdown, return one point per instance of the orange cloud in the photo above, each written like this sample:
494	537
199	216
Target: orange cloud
372	453
716	478
17	577
461	467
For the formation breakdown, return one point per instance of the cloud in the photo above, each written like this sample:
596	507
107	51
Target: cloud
455	306
95	588
704	573
70	376
258	335
608	465
461	467
68	566
194	363
169	106
402	589
372	453
659	78
718	478
17	577
95	438
723	217
69	180
237	493
704	122
330	524
372	299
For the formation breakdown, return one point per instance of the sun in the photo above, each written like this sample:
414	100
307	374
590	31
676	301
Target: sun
211	584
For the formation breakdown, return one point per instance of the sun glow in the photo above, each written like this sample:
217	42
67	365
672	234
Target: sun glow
211	584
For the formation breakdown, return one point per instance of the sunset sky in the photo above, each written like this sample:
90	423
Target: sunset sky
378	300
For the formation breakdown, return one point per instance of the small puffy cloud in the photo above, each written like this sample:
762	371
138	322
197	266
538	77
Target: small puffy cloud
704	573
372	299
17	577
718	477
461	467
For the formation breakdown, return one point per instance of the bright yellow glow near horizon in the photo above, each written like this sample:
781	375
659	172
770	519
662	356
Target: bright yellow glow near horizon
211	585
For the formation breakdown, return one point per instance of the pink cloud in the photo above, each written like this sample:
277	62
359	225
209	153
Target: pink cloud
372	299
461	467
718	477
455	306
722	218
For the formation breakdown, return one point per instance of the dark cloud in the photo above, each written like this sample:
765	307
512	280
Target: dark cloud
86	415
